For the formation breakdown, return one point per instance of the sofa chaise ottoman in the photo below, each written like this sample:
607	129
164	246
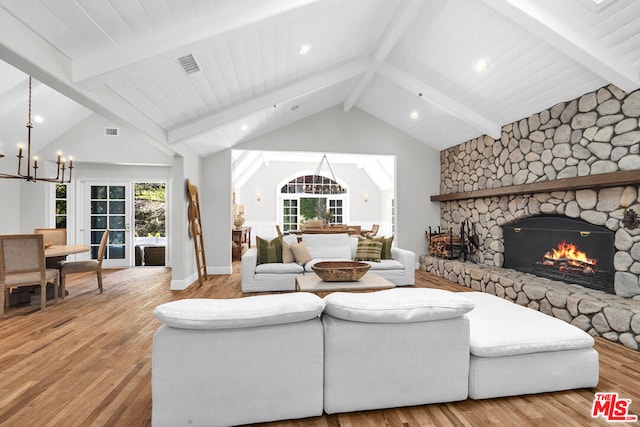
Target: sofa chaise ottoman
516	350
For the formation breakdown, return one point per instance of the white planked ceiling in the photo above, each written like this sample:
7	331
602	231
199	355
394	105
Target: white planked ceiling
387	57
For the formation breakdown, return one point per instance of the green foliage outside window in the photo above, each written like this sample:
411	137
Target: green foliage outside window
150	209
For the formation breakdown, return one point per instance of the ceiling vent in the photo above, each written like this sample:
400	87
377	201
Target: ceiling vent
189	64
111	131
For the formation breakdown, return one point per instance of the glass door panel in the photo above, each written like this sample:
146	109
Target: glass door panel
109	209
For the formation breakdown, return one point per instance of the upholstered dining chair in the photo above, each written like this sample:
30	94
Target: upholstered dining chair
83	266
54	236
22	263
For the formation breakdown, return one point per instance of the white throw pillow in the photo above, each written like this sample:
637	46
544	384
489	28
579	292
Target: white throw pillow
328	246
261	310
397	305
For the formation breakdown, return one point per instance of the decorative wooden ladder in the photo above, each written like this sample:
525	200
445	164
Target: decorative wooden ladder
195	226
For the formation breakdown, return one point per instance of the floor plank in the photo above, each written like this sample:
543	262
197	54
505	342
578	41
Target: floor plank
86	361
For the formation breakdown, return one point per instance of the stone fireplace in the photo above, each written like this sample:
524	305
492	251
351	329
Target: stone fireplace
486	181
561	248
597	133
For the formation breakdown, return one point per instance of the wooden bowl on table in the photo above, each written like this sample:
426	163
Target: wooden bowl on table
340	271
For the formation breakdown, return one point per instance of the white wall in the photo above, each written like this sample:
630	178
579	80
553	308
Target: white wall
333	130
10	208
215	201
86	142
268	178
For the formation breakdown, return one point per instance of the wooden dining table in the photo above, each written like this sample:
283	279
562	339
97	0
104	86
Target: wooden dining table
55	251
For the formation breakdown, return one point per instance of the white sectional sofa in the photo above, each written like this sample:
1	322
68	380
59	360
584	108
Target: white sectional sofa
323	247
287	356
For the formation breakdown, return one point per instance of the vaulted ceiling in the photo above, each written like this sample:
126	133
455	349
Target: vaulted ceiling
408	62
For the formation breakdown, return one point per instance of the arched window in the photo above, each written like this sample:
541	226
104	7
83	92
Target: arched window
313	184
308	197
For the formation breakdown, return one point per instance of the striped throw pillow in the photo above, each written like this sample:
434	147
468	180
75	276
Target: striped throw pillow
269	251
368	250
386	246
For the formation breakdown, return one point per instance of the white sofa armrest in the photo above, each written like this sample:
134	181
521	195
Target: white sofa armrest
249	264
408	259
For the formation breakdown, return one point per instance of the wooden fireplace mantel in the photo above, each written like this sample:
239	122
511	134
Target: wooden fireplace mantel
611	179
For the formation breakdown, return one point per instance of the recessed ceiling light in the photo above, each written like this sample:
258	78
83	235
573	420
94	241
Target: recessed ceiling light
304	49
244	127
481	65
414	115
38	119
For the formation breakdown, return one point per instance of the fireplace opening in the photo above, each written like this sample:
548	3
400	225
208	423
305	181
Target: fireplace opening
561	248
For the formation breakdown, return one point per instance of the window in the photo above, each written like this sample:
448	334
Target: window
335	207
312	184
309	197
61	206
289	214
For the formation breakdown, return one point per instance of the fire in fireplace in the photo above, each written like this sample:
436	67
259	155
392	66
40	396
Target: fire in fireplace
567	257
561	248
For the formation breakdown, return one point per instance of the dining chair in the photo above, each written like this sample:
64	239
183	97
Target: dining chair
83	266
279	231
373	231
22	263
54	236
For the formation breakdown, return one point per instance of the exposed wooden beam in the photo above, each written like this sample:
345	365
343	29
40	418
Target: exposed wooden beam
441	100
144	52
574	44
293	91
31	54
401	21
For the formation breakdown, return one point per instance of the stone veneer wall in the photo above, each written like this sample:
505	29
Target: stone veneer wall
596	133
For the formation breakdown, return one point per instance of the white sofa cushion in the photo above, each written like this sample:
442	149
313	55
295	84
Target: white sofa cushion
236	313
385	264
503	328
277	267
328	246
397	305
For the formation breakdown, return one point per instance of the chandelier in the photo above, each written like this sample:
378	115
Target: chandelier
32	169
320	187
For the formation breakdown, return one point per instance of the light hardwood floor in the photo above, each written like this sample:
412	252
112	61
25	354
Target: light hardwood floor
87	361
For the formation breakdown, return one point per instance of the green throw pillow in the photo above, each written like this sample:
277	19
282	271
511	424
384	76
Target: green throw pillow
269	250
386	246
368	250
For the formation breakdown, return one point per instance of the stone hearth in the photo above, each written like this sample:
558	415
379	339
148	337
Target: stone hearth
600	314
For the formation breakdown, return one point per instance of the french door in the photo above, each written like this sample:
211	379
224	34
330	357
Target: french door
109	207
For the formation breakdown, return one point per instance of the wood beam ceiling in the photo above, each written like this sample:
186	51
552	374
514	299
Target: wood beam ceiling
287	93
28	52
115	63
561	36
441	100
403	18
